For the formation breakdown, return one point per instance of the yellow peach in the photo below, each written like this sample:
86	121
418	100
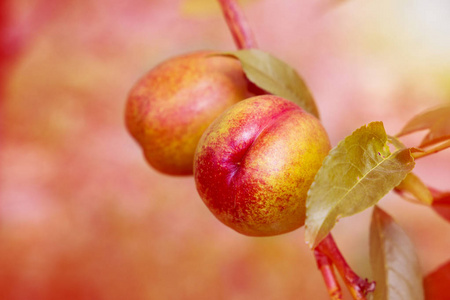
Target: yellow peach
255	163
170	107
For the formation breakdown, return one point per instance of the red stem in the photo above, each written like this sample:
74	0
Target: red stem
326	253
326	267
242	34
357	286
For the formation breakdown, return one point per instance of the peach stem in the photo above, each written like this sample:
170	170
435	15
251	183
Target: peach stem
242	34
326	267
357	286
434	150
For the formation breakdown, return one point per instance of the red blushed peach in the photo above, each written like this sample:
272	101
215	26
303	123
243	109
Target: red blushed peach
170	107
254	165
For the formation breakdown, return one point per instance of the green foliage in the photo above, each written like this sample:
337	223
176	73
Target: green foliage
354	176
276	77
395	265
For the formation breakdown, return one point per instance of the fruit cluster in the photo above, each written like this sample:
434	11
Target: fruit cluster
253	155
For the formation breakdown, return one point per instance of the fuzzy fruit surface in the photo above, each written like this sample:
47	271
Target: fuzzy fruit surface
171	106
255	163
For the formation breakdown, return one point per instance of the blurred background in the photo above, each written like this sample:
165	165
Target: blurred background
82	216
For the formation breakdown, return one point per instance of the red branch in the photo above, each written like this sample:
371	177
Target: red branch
326	267
357	286
238	25
326	253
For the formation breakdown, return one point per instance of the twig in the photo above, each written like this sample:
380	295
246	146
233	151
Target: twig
242	34
358	287
326	267
434	150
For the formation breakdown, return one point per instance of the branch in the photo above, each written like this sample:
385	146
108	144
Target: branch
326	267
242	34
434	150
358	287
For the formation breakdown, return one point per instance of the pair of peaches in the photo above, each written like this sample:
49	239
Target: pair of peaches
253	155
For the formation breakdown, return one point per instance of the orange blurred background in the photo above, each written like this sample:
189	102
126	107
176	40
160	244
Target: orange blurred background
83	217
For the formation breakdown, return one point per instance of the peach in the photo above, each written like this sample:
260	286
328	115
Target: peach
170	107
255	163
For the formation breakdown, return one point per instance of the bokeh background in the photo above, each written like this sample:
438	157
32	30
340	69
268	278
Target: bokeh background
81	214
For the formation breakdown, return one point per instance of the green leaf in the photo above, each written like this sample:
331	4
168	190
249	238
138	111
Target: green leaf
276	77
415	187
395	142
354	176
395	266
437	121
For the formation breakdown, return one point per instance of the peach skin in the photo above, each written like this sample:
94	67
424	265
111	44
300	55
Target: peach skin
253	166
170	107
